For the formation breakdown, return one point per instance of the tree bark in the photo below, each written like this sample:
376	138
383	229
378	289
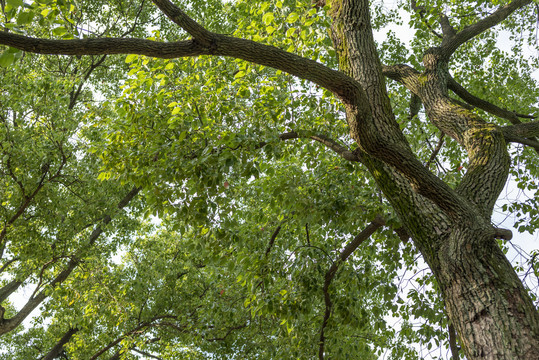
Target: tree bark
486	302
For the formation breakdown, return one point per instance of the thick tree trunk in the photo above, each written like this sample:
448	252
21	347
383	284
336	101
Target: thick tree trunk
486	302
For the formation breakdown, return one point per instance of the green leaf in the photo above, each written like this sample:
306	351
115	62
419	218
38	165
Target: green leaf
59	31
130	58
15	3
267	18
7	59
292	17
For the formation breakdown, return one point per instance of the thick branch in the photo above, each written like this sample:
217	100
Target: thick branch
451	43
56	349
527	130
340	84
524	133
8	289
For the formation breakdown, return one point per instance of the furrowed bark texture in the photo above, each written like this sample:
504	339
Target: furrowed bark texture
486	302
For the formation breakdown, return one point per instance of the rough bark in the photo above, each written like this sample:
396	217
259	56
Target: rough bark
487	304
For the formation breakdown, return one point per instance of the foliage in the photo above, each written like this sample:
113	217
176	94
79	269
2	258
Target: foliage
225	250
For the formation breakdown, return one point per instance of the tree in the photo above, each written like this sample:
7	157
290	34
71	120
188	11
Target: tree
270	154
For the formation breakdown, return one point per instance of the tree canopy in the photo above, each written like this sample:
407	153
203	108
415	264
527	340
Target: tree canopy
266	179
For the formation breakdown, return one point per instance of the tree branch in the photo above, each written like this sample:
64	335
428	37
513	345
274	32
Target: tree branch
523	133
7	325
458	89
174	13
421	11
378	222
342	151
338	83
451	43
56	349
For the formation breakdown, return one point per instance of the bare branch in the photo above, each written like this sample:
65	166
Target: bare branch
447	29
529	129
330	143
524	133
147	354
229	331
436	150
8	289
272	239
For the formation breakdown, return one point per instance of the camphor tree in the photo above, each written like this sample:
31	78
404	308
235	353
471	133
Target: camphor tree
258	169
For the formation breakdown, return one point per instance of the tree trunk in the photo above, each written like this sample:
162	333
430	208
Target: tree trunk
485	300
487	304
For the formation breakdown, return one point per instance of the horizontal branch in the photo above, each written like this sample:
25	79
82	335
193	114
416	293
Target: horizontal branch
529	129
343	86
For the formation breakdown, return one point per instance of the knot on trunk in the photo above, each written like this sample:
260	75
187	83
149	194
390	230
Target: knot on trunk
504	234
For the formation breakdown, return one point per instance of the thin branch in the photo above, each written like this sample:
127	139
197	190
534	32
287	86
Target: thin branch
341	150
7	325
421	11
378	222
436	151
146	354
229	331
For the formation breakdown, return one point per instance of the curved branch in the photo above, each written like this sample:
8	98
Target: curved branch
342	151
452	43
378	222
343	86
458	89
